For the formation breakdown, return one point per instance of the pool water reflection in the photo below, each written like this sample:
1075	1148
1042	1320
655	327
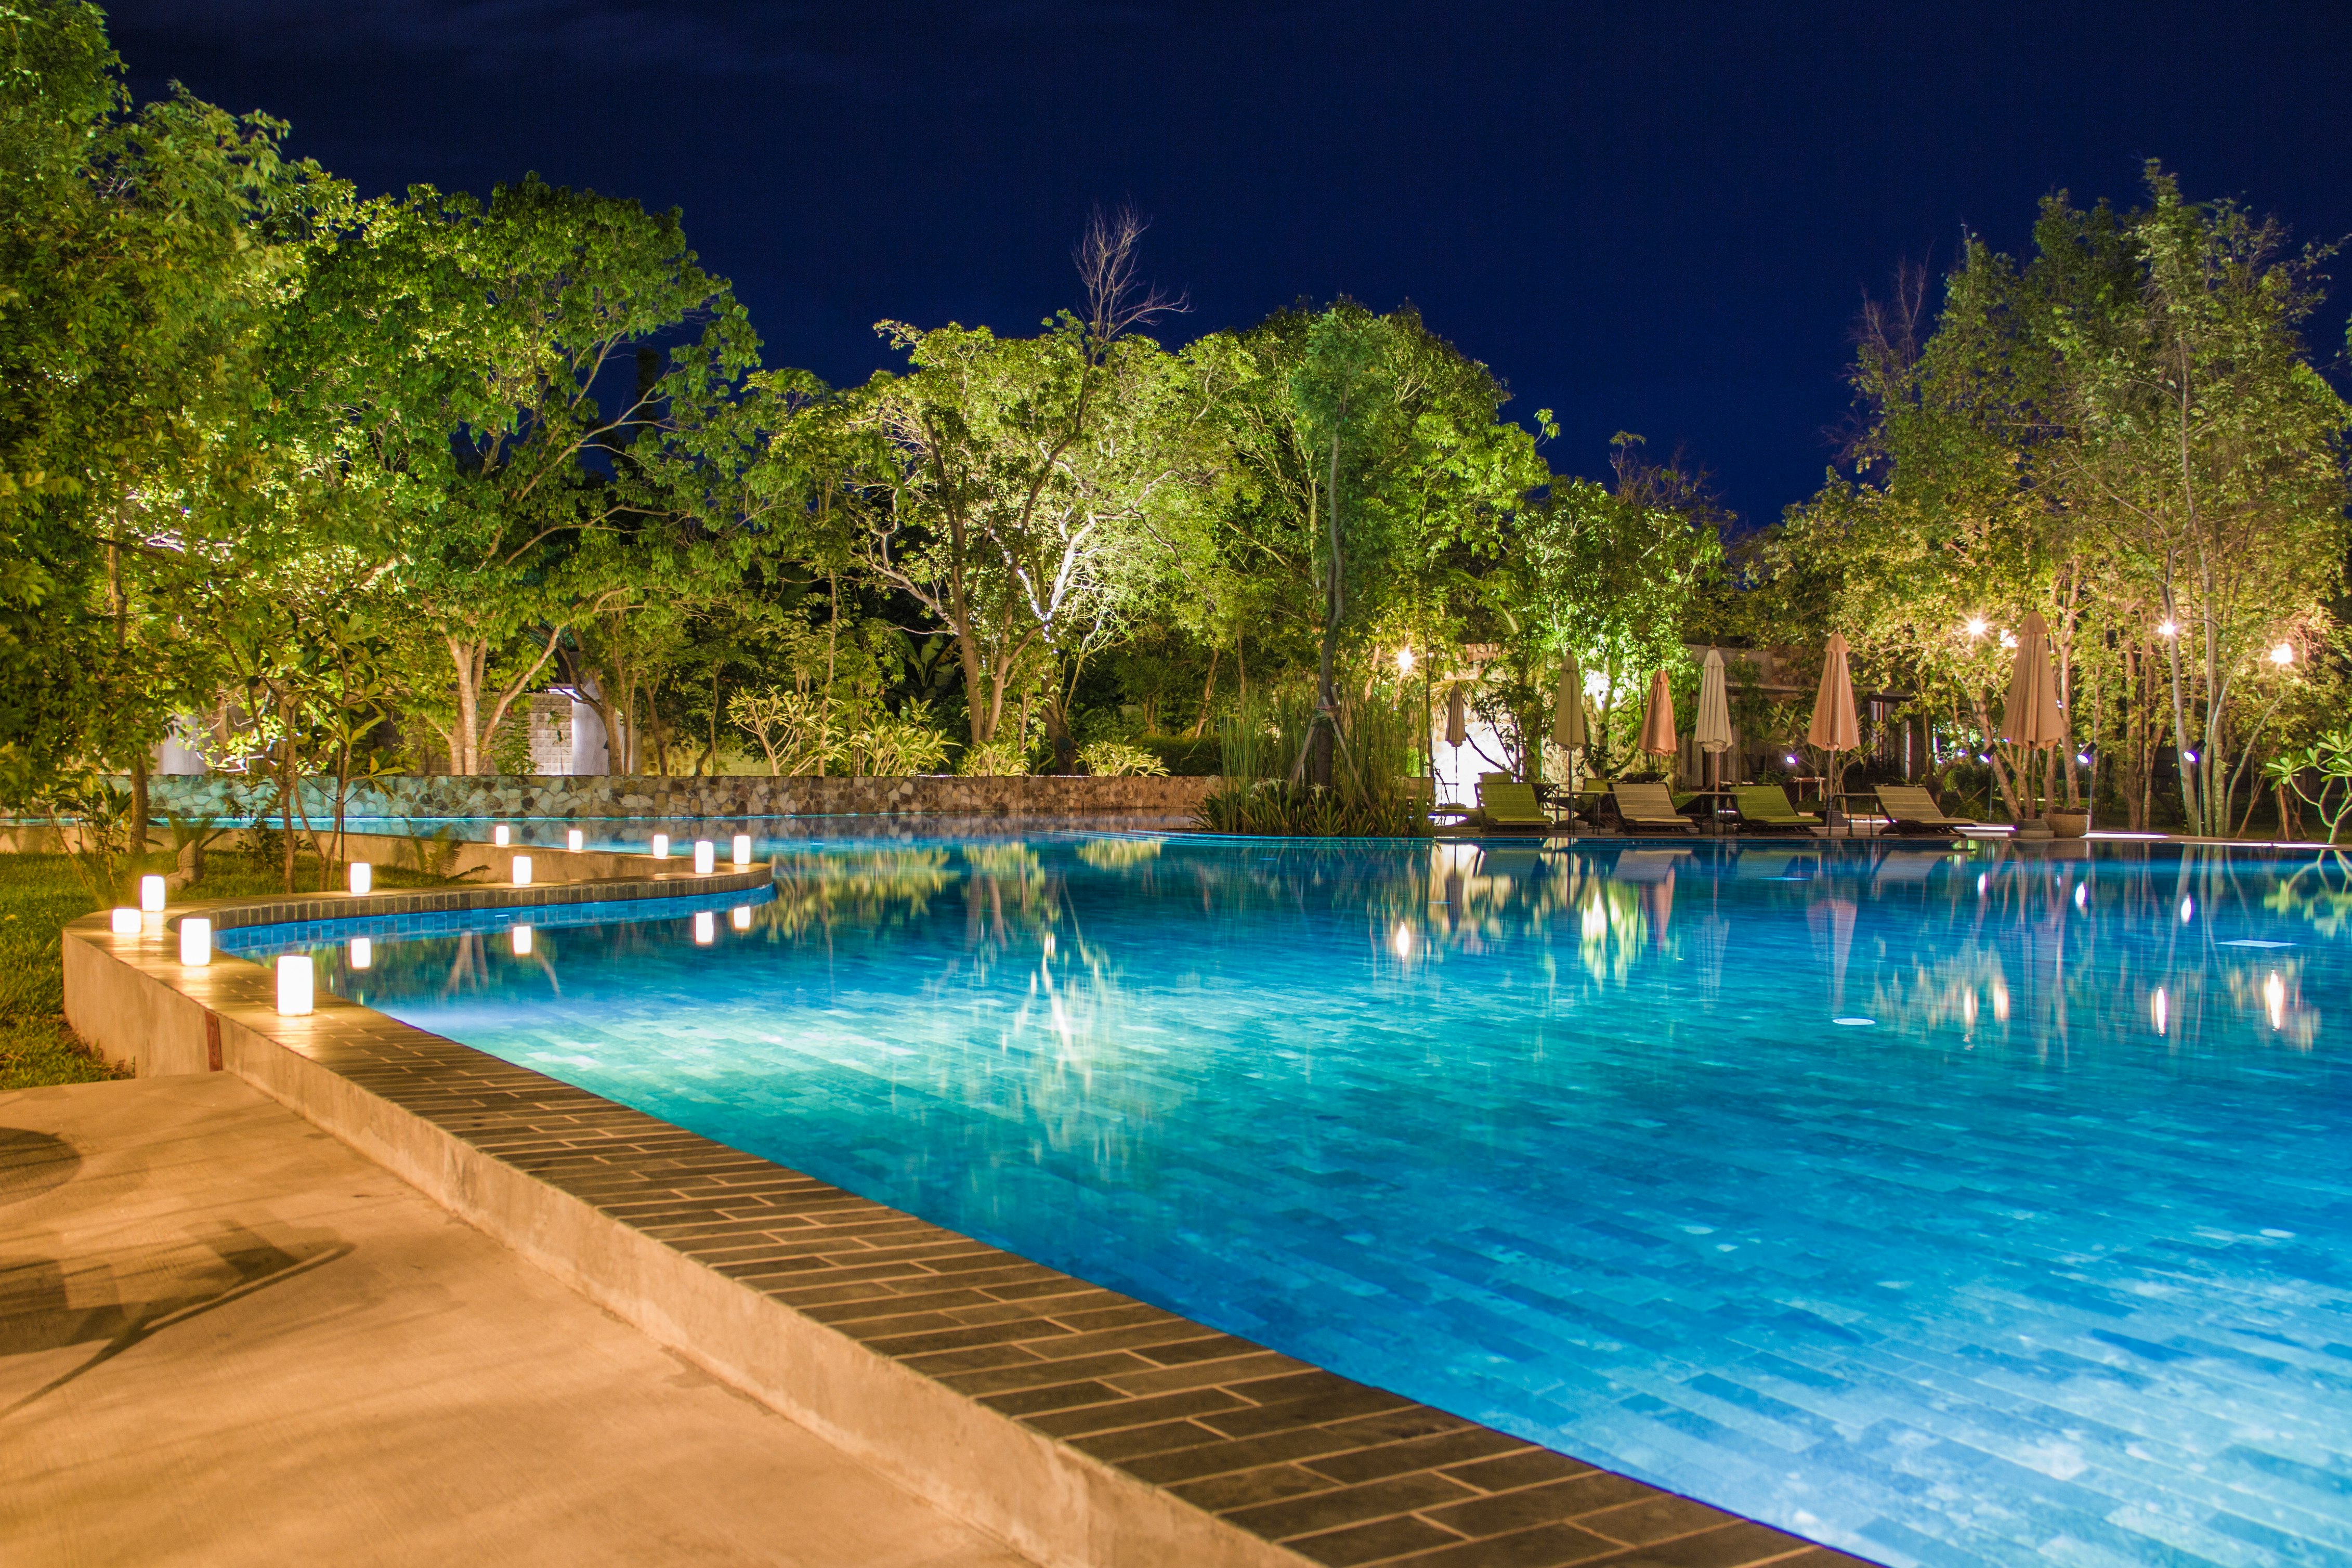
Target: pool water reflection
1988	1207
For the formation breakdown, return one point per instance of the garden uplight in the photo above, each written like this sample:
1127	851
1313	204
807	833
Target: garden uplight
1975	628
706	855
123	921
294	984
706	929
150	894
742	850
2283	656
522	870
661	846
363	876
363	954
522	942
195	942
500	836
576	840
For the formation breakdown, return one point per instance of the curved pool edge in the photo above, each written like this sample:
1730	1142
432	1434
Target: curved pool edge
1080	1424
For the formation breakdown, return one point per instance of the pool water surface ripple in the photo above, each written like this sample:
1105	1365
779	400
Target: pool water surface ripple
2045	1256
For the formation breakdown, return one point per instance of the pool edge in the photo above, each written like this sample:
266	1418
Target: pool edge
1279	1462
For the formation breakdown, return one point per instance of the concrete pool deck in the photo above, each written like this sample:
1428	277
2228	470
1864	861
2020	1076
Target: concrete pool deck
1082	1426
227	1337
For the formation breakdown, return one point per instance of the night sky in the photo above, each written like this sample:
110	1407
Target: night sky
1653	217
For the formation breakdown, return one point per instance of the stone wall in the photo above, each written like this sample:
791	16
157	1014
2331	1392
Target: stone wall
589	797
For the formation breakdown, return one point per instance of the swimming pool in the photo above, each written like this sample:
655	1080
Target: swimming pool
1952	1209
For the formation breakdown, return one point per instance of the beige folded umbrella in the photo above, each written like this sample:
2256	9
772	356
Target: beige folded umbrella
2030	717
1567	708
1457	723
1712	733
1834	728
1658	724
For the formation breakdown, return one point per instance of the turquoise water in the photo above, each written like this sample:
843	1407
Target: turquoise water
1951	1208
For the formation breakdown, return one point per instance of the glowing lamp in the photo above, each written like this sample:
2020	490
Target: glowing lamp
363	876
522	870
363	954
500	836
195	942
740	917
521	936
1792	762
706	855
661	846
150	894
742	850
706	929
576	840
294	984
2167	629
2283	656
1975	628
2189	756
123	921
1404	662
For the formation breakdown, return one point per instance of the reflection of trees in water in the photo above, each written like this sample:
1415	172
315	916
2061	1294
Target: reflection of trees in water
866	892
1118	854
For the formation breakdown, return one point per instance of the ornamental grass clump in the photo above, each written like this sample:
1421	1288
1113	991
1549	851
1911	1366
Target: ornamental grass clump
1265	756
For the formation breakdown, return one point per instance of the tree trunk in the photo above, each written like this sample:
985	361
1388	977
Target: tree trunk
1208	694
1327	696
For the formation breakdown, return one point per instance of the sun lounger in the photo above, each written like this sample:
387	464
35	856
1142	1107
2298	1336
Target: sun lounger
1910	809
1765	808
1512	805
1650	809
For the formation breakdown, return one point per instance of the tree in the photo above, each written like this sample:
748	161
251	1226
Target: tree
450	357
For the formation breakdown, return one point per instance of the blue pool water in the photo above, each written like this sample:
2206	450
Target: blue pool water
1951	1208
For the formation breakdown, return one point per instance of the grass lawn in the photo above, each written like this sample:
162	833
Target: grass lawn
39	893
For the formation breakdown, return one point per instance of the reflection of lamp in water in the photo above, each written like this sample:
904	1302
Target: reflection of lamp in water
521	935
706	929
2159	1009
1999	1003
294	998
1596	919
2275	999
740	918
363	953
2188	907
1982	878
1049	945
2082	895
1969	1007
195	942
1403	941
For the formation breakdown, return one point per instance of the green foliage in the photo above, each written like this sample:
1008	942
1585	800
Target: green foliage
1266	744
1116	759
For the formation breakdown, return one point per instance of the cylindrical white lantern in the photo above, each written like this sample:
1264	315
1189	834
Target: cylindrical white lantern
706	929
195	942
294	998
742	850
150	894
363	876
661	846
522	870
575	841
123	921
363	953
740	919
523	942
499	836
706	856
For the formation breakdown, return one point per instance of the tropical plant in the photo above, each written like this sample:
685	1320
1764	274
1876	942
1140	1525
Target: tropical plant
1116	759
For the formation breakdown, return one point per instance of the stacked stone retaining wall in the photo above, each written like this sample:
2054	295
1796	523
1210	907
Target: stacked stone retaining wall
589	797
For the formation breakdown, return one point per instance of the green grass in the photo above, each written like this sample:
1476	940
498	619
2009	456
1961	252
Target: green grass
38	894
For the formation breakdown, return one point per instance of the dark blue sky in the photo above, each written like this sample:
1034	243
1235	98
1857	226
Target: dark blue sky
1657	218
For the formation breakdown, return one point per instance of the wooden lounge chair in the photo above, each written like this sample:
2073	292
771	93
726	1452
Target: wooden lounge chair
1910	809
1650	809
1512	807
1765	808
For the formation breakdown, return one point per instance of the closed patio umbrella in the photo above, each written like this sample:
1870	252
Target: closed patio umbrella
1658	724
1457	723
1712	733
1567	708
1834	728
2030	720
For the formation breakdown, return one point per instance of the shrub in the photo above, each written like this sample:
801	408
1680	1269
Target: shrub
1117	760
996	759
1185	756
